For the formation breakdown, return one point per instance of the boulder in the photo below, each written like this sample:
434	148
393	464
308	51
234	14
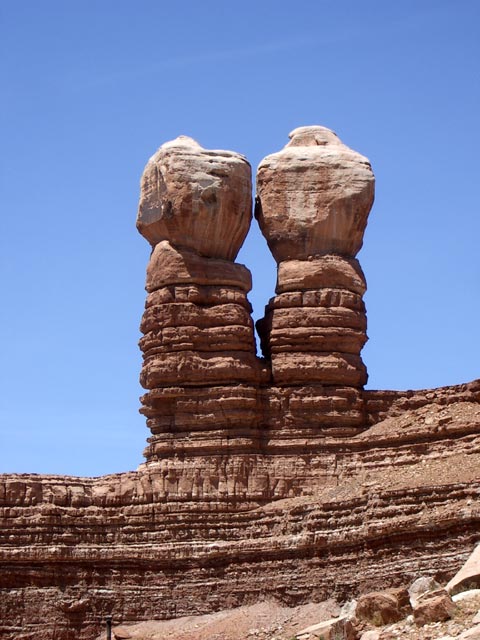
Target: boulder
435	606
469	575
402	596
349	609
196	199
379	608
123	633
372	634
333	629
314	196
422	585
470	634
467	596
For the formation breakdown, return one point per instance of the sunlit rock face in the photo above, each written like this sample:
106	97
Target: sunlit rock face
205	384
314	196
313	200
196	199
271	478
200	367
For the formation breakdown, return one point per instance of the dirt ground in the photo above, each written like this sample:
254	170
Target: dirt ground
270	621
262	621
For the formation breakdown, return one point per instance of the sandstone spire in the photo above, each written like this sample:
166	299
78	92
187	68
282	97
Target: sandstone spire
198	346
313	199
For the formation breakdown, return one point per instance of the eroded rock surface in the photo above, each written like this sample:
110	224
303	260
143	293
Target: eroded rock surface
200	367
313	200
276	477
469	575
314	196
196	198
209	530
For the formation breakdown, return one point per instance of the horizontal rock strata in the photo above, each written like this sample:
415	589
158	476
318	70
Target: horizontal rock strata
313	200
200	368
198	348
275	477
362	513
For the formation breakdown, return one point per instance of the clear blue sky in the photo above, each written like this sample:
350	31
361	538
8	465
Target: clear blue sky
91	88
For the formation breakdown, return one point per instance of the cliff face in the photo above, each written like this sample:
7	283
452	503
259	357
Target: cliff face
277	476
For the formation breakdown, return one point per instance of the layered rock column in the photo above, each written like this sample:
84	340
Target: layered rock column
313	200
199	367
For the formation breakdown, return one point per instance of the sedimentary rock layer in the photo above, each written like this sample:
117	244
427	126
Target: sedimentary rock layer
199	356
198	347
313	200
192	534
277	477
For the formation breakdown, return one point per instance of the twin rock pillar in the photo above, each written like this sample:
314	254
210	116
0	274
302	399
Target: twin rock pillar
207	391
199	359
313	200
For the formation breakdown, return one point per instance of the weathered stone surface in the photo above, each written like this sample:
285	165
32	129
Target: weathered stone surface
327	271
202	295
188	338
210	528
308	344
311	317
299	488
318	298
195	368
325	368
199	353
300	415
420	587
379	608
436	606
470	634
196	199
314	196
333	629
402	597
169	266
198	331
186	314
469	575
313	200
372	634
316	339
467	596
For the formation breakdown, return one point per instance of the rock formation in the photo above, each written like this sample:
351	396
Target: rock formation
196	199
315	197
199	365
264	477
313	200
